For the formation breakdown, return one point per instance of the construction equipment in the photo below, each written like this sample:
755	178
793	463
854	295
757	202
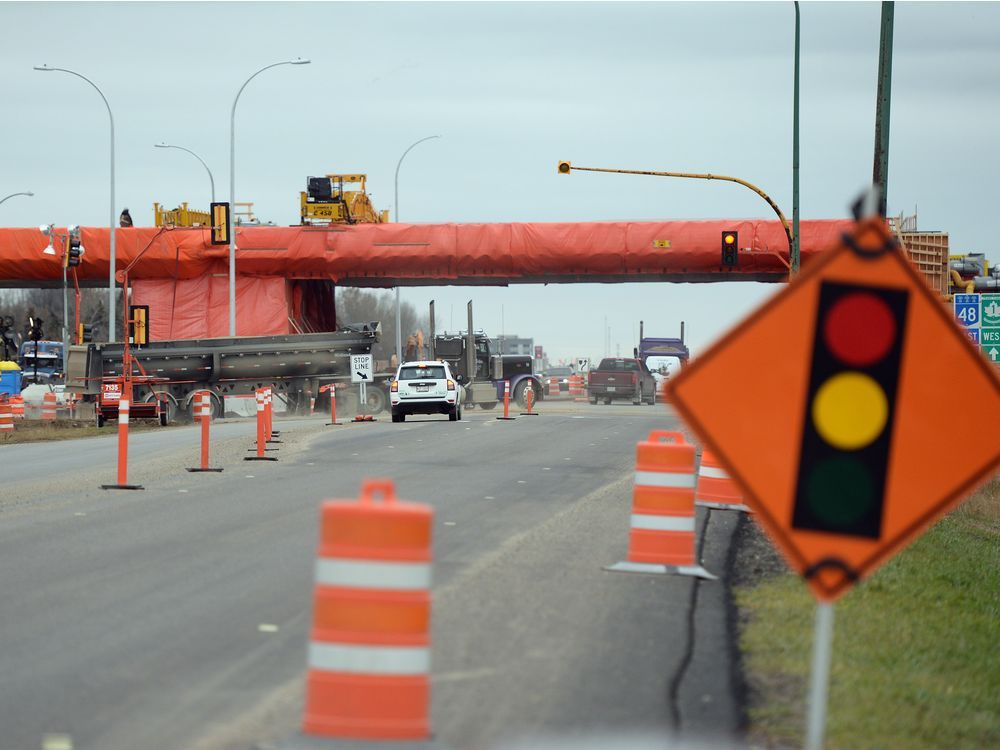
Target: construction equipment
971	273
325	202
182	216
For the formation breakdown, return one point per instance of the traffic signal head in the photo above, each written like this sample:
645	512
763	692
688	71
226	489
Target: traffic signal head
848	415
85	333
74	253
730	248
565	167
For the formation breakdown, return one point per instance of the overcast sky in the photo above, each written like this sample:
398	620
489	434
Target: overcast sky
511	88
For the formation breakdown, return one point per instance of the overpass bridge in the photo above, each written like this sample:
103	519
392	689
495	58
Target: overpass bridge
286	276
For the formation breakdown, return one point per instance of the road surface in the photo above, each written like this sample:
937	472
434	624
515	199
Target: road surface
177	617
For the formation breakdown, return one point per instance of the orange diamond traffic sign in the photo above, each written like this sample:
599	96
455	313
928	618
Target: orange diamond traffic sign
850	408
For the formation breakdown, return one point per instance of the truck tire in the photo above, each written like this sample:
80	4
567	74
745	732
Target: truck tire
100	420
488	405
518	395
593	400
652	398
374	400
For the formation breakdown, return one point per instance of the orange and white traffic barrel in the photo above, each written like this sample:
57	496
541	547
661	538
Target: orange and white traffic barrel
17	406
662	524
369	650
716	489
6	418
49	406
552	387
577	387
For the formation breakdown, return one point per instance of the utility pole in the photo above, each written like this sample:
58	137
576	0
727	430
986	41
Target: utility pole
794	255
880	176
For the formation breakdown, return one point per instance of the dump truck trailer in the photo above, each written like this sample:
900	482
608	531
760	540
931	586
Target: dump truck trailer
294	366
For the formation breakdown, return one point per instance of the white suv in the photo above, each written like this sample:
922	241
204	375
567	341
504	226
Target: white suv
425	388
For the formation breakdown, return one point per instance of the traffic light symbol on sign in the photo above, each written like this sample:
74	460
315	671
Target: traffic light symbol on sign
730	249
848	415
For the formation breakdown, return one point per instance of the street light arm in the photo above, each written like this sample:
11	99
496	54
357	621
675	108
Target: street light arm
400	163
8	197
211	179
694	176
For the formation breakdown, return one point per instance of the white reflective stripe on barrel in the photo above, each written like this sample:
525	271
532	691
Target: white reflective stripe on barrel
341	657
664	479
373	574
711	472
663	523
123	412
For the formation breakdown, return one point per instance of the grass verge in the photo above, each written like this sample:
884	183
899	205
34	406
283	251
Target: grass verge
915	659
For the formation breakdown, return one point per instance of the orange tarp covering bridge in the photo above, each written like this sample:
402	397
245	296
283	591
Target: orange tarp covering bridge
286	274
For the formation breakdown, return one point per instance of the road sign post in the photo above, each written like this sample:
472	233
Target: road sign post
841	444
362	372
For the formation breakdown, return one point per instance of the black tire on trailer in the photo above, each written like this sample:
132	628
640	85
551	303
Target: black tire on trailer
375	400
100	419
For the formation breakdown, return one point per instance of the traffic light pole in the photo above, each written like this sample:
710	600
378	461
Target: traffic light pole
819	681
565	167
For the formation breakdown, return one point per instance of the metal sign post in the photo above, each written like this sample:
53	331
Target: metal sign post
819	681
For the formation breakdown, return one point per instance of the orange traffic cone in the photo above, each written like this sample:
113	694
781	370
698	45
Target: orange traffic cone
662	534
6	418
49	406
369	650
17	406
716	489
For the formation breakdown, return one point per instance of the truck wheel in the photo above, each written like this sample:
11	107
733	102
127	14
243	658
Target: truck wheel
163	419
652	398
518	394
100	420
488	405
454	415
593	400
374	400
398	417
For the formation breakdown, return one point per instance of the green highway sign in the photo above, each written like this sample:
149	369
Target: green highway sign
990	342
990	313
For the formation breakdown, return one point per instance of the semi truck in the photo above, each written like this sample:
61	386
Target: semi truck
480	370
294	366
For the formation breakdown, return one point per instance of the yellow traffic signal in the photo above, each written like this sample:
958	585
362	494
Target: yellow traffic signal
565	167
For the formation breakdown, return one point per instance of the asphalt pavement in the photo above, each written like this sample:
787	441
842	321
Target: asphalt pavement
177	616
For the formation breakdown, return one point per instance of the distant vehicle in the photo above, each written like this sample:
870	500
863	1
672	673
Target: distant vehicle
41	361
426	387
556	380
618	378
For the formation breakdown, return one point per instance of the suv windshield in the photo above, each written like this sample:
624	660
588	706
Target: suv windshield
421	373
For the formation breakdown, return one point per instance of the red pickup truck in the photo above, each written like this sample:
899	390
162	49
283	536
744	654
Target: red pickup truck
617	378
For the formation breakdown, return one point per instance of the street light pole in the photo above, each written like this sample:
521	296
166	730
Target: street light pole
211	179
232	189
111	208
794	259
8	197
395	205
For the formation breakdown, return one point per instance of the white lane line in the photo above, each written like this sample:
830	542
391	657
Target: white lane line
546	468
182	490
521	481
489	497
266	627
449	523
249	476
79	514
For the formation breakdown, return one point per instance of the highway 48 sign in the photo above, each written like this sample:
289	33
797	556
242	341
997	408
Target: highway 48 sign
847	443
